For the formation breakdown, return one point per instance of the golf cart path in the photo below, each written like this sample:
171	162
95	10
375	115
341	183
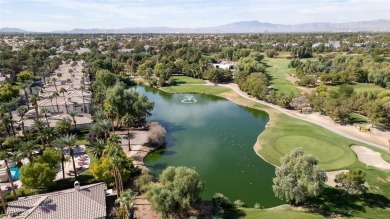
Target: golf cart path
235	88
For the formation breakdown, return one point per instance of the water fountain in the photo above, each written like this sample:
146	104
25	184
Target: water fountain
189	99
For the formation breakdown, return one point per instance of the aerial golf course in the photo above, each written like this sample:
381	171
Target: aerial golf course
283	133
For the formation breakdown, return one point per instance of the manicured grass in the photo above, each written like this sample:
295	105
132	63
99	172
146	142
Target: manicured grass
283	211
286	133
204	89
278	69
358	119
188	80
360	87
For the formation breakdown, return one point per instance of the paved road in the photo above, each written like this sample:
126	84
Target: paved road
284	111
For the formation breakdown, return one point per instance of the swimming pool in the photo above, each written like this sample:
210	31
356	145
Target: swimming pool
15	173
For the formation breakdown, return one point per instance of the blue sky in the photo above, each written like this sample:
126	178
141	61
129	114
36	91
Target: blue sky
49	15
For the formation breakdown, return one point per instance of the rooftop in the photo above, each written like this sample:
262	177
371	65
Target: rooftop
89	202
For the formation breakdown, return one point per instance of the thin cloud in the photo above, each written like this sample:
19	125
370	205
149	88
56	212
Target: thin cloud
183	13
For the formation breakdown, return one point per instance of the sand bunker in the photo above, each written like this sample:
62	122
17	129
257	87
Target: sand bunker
370	157
332	175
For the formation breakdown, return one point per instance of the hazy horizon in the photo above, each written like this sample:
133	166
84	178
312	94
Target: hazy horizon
49	15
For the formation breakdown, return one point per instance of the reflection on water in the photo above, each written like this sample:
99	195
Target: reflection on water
215	137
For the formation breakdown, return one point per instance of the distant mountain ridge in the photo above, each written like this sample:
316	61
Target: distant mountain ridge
243	27
12	30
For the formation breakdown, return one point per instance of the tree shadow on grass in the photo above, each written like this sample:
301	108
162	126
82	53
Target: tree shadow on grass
335	202
233	213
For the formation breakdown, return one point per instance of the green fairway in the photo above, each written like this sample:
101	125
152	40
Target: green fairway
188	80
360	87
283	211
278	69
286	133
203	89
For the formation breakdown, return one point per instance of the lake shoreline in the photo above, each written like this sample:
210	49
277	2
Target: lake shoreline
224	145
245	103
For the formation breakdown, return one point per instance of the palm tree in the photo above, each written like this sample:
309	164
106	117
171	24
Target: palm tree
51	100
99	115
24	87
47	135
97	147
54	80
25	150
45	111
127	199
21	120
4	156
69	141
110	113
8	107
38	125
82	88
105	126
95	129
21	111
43	74
63	91
60	145
34	102
56	95
115	153
73	114
6	120
128	121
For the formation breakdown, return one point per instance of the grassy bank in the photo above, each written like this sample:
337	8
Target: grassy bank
188	80
283	211
191	88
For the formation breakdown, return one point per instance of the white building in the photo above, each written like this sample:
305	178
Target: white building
225	65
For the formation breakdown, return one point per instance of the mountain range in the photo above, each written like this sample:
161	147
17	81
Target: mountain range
241	27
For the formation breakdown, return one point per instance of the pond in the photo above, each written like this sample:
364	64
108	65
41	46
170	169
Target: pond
216	137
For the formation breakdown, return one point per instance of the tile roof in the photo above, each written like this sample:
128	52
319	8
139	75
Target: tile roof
87	203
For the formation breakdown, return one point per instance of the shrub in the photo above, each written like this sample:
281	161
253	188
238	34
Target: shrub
221	204
257	206
156	135
238	203
271	53
143	181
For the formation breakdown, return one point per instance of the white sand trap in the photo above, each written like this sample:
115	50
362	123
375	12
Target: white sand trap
370	157
332	175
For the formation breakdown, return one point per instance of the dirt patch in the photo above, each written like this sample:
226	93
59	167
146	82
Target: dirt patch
138	145
331	176
370	157
143	209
